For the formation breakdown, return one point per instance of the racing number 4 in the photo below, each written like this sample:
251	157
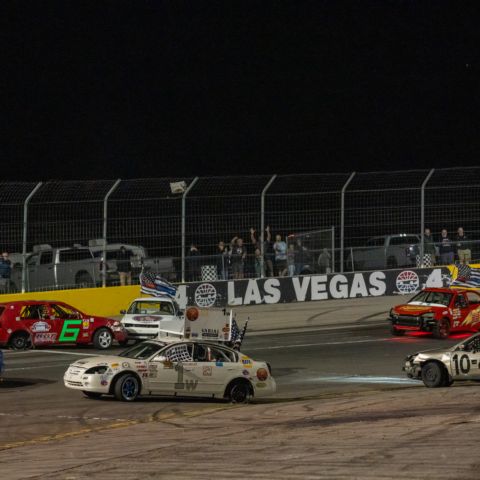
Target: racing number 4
462	365
69	333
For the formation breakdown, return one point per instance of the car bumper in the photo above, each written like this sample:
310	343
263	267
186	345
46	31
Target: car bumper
120	335
141	334
266	388
418	324
90	383
413	370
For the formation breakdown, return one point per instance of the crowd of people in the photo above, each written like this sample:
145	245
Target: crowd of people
264	256
446	250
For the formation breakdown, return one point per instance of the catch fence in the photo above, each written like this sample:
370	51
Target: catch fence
358	220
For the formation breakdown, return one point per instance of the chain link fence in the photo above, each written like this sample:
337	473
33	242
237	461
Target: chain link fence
189	228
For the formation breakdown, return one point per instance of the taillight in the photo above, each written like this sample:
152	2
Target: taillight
262	374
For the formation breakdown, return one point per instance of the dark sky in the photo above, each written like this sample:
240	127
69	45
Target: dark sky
111	89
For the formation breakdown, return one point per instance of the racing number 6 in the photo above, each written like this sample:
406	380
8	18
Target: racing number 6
69	334
462	366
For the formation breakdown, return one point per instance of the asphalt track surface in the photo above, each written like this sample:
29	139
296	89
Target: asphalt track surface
324	361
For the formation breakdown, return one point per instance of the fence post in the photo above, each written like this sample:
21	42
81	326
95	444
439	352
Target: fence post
333	248
105	220
184	196
261	235
422	216
342	220
25	228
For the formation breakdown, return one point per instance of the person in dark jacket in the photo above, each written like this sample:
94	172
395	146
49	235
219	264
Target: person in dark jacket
124	266
5	272
193	264
447	250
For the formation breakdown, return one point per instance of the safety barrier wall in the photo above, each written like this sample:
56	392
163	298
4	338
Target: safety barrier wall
109	301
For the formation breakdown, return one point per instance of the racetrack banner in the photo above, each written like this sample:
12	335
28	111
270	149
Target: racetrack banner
311	287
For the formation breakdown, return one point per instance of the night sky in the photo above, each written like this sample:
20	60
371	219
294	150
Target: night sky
111	89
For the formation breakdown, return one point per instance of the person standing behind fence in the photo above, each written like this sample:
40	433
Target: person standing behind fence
291	255
124	266
428	249
238	254
5	272
268	252
193	264
324	261
461	244
280	249
222	261
447	254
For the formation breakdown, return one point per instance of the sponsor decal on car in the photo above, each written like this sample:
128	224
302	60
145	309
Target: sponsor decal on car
45	337
40	327
85	324
207	371
70	331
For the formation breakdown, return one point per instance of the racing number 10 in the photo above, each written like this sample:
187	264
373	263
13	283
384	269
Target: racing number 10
462	365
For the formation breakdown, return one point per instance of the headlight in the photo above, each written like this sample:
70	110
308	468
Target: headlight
100	370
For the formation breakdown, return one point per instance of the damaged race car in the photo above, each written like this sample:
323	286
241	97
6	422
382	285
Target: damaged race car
439	311
179	368
35	323
442	367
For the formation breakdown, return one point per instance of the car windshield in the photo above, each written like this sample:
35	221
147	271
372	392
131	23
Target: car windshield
151	308
142	350
440	298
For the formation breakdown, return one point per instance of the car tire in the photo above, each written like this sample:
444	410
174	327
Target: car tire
91	394
442	329
127	388
84	280
396	332
433	375
20	341
103	338
240	392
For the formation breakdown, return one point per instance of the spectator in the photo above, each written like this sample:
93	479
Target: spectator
280	249
124	266
222	261
193	264
5	272
301	257
259	264
291	259
324	261
447	255
237	255
428	249
268	252
461	244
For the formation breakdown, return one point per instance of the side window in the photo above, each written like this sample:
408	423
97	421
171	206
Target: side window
180	353
460	301
34	312
473	298
166	307
221	355
46	258
398	241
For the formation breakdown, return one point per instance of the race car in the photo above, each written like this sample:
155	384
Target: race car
24	324
442	367
439	311
180	368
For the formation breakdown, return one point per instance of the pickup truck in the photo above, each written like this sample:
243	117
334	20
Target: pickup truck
387	251
53	268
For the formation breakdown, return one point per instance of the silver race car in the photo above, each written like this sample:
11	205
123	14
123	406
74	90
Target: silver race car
442	367
178	368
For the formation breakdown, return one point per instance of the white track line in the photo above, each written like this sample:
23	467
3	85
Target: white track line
301	345
56	352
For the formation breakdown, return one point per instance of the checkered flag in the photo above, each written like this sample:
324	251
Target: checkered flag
179	354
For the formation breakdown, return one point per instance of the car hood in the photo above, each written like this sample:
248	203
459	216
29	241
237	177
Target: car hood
419	308
101	360
438	354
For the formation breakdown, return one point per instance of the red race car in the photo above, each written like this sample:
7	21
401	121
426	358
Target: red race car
439	311
24	324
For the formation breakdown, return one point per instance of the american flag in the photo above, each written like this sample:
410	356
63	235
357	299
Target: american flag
467	277
236	335
154	284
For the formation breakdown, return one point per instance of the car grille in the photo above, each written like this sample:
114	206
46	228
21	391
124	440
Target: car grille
140	325
75	384
407	321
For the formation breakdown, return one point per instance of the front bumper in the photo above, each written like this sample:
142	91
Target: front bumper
412	323
120	335
413	370
142	333
77	379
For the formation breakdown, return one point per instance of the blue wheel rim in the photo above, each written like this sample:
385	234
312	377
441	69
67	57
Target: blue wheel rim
129	388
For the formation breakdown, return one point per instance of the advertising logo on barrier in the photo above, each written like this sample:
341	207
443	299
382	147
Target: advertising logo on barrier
312	287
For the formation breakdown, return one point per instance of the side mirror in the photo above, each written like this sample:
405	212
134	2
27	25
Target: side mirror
123	312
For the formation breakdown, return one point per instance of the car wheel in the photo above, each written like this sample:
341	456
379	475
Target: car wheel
127	388
442	329
84	280
103	338
20	341
433	375
91	394
396	332
240	392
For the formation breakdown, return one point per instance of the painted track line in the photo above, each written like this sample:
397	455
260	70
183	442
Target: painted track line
302	345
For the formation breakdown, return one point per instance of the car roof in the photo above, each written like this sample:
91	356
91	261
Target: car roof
446	290
149	299
33	302
189	340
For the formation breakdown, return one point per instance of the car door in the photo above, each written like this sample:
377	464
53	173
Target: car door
69	325
460	311
465	362
37	320
212	367
167	371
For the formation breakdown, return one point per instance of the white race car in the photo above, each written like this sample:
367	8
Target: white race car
180	368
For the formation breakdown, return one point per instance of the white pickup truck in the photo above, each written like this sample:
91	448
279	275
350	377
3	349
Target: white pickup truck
161	317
